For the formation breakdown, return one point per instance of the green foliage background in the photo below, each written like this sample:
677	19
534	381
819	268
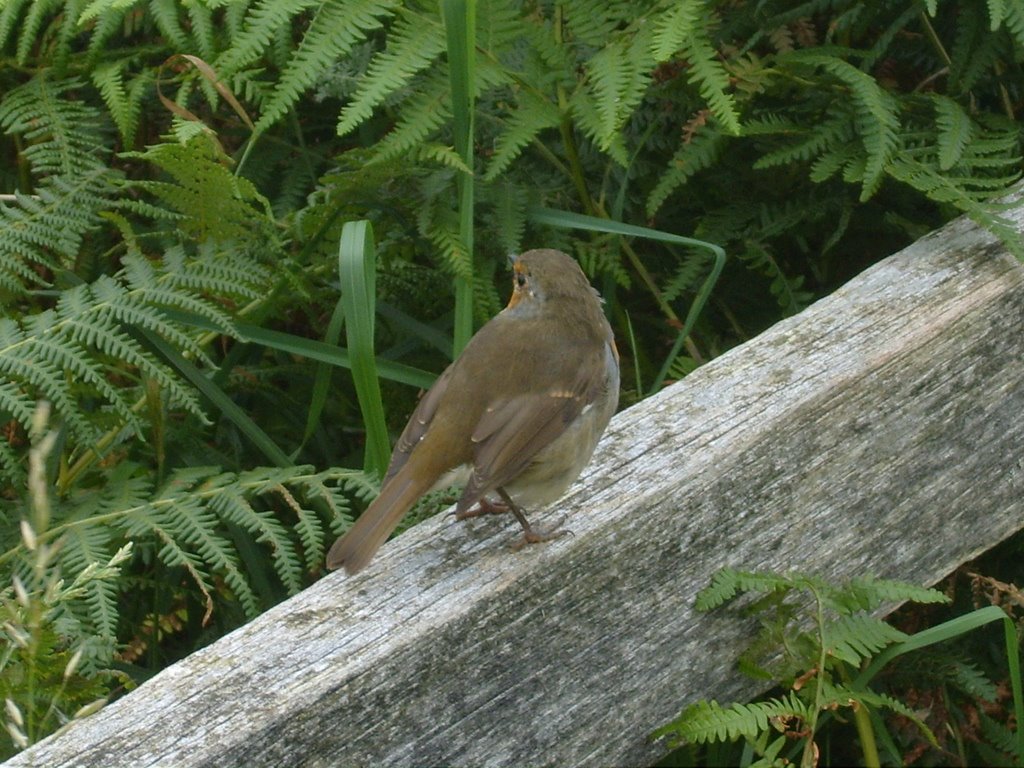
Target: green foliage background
176	176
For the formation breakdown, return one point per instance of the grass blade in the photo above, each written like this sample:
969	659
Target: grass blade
220	400
569	220
947	631
460	32
309	348
322	378
357	270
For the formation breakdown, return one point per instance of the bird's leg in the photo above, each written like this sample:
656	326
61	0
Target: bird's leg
531	536
483	507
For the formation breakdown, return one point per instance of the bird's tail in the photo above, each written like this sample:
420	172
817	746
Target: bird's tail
356	548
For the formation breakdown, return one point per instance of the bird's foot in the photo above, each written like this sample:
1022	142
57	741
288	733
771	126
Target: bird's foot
533	536
482	507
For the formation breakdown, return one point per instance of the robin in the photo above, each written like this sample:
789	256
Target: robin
517	414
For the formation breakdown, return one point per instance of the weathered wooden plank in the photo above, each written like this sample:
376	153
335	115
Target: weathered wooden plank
879	432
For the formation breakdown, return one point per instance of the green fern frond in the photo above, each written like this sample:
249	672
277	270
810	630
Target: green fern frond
1003	738
507	214
413	43
675	26
166	15
431	153
964	675
955	130
972	55
708	721
877	121
712	81
214	202
19	363
79	549
587	117
39	13
263	24
836	696
835	159
106	7
63	145
618	76
786	289
124	104
728	582
445	238
190	515
202	25
10	16
867	594
691	268
691	157
854	638
532	115
422	114
593	23
332	32
835	130
942	188
66	354
683	27
1013	16
63	135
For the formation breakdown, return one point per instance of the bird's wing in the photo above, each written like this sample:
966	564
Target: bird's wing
512	431
418	423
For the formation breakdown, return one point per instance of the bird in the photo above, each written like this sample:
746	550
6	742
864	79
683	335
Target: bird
517	414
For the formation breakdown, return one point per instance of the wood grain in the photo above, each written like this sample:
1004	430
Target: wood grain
879	432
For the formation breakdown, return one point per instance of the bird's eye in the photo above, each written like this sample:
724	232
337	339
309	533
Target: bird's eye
520	279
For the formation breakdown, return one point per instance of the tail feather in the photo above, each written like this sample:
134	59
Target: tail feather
354	550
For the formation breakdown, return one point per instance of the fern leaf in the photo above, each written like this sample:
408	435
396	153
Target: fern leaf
955	130
869	593
835	130
532	115
728	582
945	189
689	270
445	238
422	114
39	13
202	26
712	81
263	24
854	638
109	80
587	117
81	547
708	721
509	215
97	7
1003	738
334	29
10	15
1014	18
412	46
618	76
18	364
215	203
877	121
62	133
840	696
675	26
692	157
592	23
439	154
